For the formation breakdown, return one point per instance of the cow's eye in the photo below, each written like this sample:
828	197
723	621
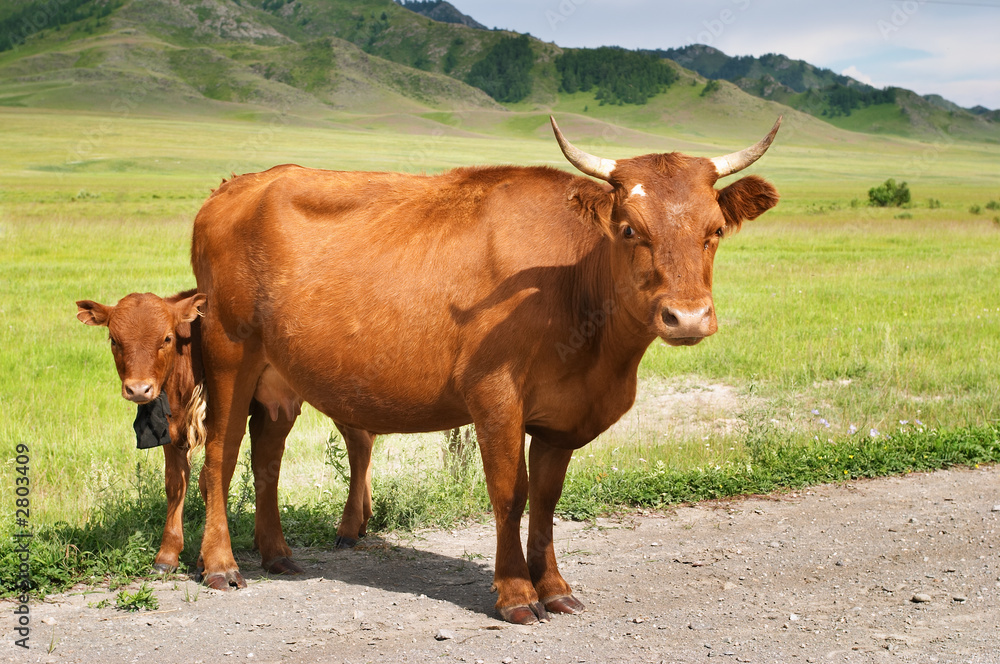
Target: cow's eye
114	344
628	232
168	339
720	232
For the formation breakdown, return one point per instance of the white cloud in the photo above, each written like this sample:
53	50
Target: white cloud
858	75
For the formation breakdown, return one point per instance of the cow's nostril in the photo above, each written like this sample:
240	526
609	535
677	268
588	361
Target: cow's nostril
138	391
669	319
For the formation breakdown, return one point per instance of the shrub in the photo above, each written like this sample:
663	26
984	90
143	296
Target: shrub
889	193
710	87
975	209
933	203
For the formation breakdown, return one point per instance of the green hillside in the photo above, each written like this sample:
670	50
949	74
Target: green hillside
218	57
839	99
375	64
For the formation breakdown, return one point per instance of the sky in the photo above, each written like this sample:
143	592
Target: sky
946	47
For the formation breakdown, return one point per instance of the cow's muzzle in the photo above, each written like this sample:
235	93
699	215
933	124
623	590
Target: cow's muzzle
139	391
686	326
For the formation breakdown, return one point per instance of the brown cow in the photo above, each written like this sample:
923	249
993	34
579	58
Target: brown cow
520	299
156	344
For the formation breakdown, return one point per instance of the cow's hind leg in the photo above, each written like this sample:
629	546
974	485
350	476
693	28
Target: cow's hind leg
267	445
176	472
358	508
547	470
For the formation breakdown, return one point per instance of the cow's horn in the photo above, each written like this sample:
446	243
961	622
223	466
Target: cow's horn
586	163
737	161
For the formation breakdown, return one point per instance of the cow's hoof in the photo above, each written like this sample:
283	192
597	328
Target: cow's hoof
225	580
525	615
164	568
345	542
564	604
283	565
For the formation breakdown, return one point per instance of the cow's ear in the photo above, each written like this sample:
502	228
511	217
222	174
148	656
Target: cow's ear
596	203
93	313
191	307
747	198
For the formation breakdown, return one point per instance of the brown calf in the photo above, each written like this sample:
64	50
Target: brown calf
520	299
156	344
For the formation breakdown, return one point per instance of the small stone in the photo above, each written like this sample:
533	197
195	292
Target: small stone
507	660
793	617
921	598
961	599
996	508
444	635
775	545
638	621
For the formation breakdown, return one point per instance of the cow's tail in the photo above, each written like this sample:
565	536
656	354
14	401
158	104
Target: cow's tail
196	432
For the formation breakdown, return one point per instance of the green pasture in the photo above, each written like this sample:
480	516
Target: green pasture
841	325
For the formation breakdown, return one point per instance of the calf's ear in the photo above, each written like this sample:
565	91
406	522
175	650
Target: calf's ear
191	307
747	198
93	313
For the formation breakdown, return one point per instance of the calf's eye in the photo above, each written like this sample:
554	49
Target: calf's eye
628	232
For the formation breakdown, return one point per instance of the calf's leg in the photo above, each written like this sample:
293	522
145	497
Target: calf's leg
176	472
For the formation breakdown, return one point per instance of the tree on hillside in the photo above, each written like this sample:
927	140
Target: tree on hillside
620	76
504	73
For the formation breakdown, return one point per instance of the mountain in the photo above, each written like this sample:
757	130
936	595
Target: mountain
419	62
221	55
443	12
836	98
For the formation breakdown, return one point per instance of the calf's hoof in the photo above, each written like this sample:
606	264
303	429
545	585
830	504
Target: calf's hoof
345	542
525	615
563	604
225	580
282	565
164	568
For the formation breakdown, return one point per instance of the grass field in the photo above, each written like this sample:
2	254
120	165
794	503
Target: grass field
839	324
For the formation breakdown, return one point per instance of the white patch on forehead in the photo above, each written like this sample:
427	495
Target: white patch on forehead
637	190
678	213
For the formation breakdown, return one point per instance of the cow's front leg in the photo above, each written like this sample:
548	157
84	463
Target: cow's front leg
358	508
231	373
267	445
176	472
547	470
501	444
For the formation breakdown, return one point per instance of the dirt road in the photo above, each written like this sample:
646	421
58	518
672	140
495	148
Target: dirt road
892	570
